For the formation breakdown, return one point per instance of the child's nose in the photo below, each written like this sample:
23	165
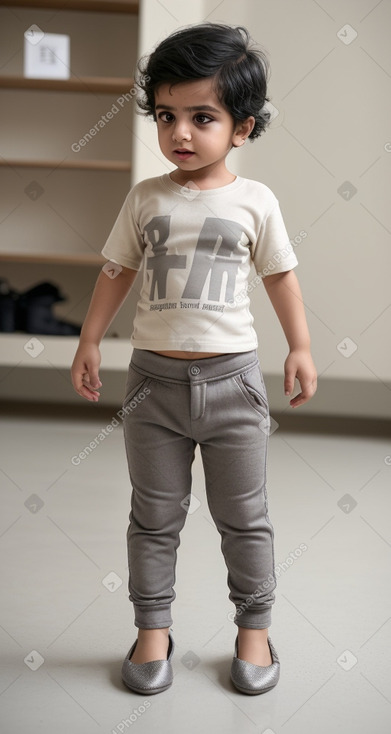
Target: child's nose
181	132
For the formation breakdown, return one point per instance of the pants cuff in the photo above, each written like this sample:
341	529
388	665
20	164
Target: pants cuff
253	620
148	618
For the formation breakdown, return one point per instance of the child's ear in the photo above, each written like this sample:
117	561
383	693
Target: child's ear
242	131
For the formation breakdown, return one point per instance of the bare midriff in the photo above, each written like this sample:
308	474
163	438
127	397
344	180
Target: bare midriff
189	355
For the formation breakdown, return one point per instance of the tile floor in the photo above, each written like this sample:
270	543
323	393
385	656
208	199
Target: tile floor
66	622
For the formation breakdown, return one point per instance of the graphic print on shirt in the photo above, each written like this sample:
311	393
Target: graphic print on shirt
214	256
157	231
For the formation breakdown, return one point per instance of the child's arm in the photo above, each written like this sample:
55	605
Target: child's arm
285	295
107	298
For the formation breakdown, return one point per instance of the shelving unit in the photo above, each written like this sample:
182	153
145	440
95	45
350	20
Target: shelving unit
25	258
57	351
105	85
102	6
79	259
91	165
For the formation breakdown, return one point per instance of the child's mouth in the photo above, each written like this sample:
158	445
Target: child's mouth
183	154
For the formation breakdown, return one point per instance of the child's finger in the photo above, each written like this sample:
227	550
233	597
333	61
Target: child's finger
91	380
83	387
86	392
308	388
87	383
298	400
289	381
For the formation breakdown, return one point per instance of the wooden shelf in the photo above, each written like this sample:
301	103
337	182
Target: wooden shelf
105	85
100	6
59	351
69	163
53	258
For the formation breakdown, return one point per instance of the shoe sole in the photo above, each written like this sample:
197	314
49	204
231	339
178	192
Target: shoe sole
251	692
147	691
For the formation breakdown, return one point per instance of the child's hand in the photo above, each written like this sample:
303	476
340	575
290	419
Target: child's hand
299	365
85	371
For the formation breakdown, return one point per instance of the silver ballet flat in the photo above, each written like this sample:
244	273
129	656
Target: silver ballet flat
148	678
254	679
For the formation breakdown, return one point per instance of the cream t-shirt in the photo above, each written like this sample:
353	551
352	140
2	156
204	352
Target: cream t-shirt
196	248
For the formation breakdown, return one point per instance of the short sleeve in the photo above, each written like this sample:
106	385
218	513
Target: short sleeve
273	252
125	243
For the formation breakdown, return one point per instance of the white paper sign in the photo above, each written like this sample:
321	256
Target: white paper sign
46	55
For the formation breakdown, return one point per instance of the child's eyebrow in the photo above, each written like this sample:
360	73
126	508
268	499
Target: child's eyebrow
197	108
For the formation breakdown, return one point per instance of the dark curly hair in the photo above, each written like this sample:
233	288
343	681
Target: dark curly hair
228	54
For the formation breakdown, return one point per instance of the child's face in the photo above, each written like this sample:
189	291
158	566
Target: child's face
194	130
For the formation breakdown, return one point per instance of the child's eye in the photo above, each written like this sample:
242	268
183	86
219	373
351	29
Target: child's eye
203	119
166	116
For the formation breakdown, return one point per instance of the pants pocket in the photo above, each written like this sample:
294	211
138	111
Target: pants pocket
253	389
136	387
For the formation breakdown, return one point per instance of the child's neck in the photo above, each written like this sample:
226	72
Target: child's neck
202	178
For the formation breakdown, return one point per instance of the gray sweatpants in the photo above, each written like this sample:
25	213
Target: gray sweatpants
170	406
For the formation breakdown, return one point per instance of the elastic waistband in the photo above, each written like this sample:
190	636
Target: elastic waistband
171	369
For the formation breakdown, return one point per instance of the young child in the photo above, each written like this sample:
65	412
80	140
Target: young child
194	376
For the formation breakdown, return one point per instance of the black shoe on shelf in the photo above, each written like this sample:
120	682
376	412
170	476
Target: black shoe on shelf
31	311
8	301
